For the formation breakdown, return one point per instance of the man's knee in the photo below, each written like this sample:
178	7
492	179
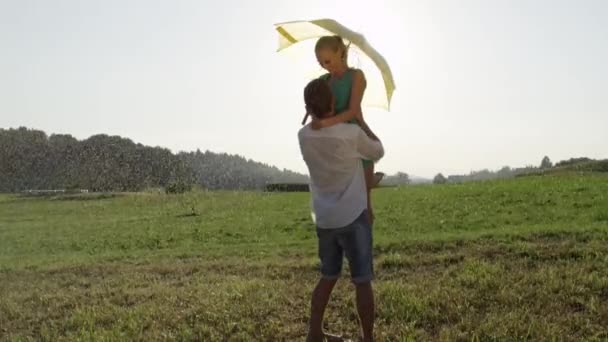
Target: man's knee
324	287
326	282
364	285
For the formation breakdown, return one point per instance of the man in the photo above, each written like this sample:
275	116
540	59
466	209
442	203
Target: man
333	156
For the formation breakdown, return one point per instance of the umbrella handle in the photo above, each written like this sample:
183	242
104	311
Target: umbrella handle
305	118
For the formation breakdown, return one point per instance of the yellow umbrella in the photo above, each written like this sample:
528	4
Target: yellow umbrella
380	83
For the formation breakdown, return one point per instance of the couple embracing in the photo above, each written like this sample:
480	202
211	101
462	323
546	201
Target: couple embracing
340	150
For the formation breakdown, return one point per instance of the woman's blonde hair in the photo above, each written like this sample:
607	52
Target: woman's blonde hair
335	44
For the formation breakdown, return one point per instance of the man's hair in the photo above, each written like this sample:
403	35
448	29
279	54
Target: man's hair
318	98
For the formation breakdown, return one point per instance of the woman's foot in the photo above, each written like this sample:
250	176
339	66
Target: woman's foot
377	178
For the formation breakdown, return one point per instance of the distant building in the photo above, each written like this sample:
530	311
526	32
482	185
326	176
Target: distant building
33	192
287	187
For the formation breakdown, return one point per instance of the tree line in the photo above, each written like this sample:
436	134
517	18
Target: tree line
31	159
546	167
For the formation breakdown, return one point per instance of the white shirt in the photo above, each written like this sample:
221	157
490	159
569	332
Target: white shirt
337	182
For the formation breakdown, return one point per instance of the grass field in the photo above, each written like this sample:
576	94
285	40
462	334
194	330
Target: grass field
523	259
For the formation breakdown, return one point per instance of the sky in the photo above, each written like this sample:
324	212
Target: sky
480	83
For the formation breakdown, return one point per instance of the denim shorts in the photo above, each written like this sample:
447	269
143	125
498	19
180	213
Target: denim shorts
353	241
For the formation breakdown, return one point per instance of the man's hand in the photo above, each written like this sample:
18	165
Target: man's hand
317	124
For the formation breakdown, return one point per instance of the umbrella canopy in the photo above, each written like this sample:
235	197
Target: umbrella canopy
380	83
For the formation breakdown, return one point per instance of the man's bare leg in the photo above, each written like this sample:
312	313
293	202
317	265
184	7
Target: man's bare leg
320	298
365	308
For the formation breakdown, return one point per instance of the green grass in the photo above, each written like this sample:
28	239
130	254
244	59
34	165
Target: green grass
513	259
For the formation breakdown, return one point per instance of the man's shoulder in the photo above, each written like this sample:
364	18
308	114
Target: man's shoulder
348	129
341	130
302	131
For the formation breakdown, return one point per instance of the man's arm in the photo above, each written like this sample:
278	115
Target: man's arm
368	144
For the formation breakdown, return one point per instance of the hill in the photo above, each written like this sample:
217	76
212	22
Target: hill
30	159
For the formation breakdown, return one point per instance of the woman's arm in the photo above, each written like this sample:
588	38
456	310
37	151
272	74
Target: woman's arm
368	131
354	106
